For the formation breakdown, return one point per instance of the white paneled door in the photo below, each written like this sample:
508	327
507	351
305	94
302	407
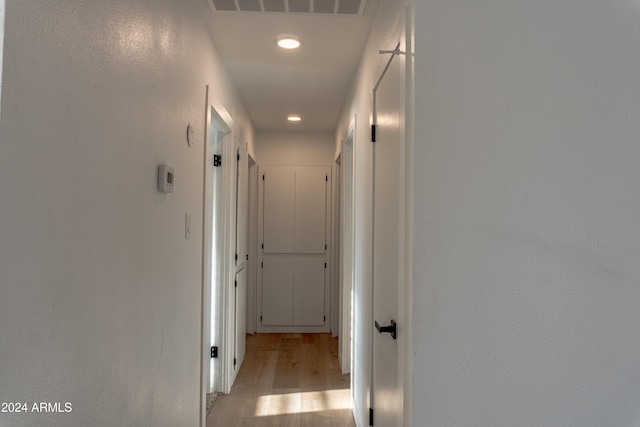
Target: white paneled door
308	291
239	290
277	291
279	210
310	211
293	211
388	244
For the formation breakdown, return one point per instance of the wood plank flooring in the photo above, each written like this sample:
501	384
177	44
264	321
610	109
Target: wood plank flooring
287	380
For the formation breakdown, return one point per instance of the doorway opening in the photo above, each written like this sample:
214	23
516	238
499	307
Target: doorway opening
213	257
252	228
345	242
224	255
218	243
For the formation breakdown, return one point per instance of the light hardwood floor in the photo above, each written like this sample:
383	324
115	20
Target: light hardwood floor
287	380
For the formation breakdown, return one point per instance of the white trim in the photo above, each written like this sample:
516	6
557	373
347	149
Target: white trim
203	293
358	410
252	265
228	256
409	192
217	116
335	249
347	246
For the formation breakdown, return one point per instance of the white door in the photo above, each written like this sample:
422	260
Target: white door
240	304
308	292
387	247
277	292
241	236
293	291
310	224
278	210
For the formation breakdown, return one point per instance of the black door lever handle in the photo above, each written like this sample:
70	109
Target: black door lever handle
392	328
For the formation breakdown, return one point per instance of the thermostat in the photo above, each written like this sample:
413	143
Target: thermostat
166	179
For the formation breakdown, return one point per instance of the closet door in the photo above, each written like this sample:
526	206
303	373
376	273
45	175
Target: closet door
310	211
308	292
293	222
277	292
279	210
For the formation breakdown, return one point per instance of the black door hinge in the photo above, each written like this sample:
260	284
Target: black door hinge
235	362
261	318
217	160
247	257
326	178
236	282
238	157
262	265
325	265
373	133
236	258
214	352
263	177
370	416
324	318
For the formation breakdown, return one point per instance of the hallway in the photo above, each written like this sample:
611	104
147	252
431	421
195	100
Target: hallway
287	380
518	241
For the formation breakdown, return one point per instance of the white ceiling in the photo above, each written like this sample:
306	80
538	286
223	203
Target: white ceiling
311	81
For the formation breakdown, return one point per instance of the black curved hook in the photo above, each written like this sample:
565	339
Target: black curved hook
392	328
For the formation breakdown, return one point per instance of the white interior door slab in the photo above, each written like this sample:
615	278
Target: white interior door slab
279	211
308	292
293	254
277	291
241	319
387	231
310	211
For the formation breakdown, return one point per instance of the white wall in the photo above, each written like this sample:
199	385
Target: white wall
99	290
358	101
527	280
295	148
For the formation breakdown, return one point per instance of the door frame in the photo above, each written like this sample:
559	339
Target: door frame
345	242
237	328
252	264
336	227
217	116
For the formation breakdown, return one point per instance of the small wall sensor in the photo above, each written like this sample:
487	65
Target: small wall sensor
166	178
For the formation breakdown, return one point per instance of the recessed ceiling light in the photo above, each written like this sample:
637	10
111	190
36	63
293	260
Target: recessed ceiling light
289	42
294	118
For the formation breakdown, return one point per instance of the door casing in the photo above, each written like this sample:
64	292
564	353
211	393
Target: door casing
216	116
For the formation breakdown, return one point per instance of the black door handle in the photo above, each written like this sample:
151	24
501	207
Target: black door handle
392	329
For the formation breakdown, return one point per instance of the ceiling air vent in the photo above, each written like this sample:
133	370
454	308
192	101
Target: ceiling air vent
326	7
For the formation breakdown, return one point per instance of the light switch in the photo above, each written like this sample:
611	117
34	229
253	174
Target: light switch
165	179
